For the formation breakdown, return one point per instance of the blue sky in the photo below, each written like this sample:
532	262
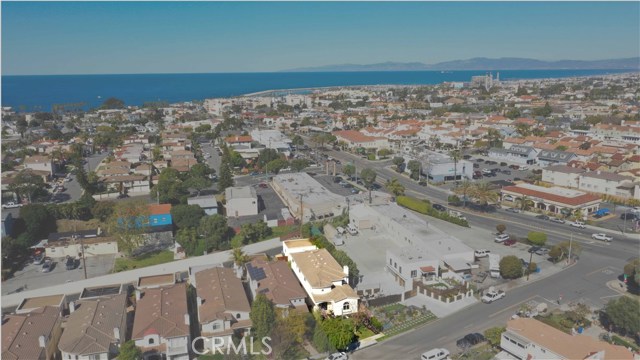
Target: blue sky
168	37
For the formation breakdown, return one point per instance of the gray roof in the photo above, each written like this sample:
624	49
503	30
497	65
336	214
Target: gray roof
555	155
515	149
240	192
606	176
565	169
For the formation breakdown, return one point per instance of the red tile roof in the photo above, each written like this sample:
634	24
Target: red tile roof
159	209
578	200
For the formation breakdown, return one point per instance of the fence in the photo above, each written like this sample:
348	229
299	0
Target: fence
385	300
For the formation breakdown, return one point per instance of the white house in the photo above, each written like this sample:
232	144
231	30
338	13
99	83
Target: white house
208	203
605	183
516	154
324	280
562	175
241	201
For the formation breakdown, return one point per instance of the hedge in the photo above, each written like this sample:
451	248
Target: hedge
424	207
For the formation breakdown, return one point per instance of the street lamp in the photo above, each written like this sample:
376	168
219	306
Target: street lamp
570	245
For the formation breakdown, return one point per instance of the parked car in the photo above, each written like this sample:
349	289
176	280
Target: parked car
338	356
38	260
476	166
490	297
533	249
513	210
503	164
542	251
557	220
506	172
439	207
628	216
435	354
47	266
509	242
10	205
263	185
578	224
524	168
352	229
516	179
480	160
514	167
470	340
71	263
524	262
602	237
481	253
502	238
543	217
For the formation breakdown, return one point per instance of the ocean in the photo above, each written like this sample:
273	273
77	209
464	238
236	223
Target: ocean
41	92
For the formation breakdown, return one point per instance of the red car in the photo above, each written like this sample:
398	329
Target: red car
263	185
509	242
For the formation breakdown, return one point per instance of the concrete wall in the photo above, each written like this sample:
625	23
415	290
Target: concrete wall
103	248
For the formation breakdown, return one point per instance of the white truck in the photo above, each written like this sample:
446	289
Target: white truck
492	296
494	265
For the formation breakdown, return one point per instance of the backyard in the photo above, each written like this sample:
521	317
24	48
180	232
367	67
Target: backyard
130	263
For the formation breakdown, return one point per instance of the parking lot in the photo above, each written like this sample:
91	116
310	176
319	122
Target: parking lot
31	276
328	181
269	204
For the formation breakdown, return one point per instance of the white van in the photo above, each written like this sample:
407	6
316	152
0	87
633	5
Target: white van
341	230
435	354
352	229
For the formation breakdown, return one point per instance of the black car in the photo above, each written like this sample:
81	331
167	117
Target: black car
542	217
466	157
470	340
628	216
476	166
479	160
337	179
533	249
506	172
439	207
71	263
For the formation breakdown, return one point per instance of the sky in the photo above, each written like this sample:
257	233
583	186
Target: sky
40	38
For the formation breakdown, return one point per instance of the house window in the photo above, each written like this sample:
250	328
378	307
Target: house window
400	269
151	341
414	273
395	265
238	316
390	262
346	306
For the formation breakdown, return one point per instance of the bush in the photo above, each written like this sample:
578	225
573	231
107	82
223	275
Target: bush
532	267
510	267
424	207
501	228
376	323
537	238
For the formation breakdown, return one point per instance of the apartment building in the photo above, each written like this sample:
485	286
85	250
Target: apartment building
32	335
277	282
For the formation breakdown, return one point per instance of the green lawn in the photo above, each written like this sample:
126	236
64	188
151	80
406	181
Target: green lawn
129	263
277	231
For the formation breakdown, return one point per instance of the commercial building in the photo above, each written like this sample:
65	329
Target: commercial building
223	307
277	282
446	169
324	280
300	189
161	324
422	249
59	245
33	335
516	154
555	200
272	139
40	163
551	157
241	201
532	339
95	328
355	139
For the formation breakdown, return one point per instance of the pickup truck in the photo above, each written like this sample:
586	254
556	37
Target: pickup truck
578	224
11	205
492	296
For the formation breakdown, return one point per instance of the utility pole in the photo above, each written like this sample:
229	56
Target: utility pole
570	245
530	258
301	215
75	236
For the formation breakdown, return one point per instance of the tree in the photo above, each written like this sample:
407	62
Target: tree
494	334
112	103
465	189
485	194
21	126
215	231
283	342
395	187
368	177
298	165
188	238
523	130
501	228
170	188
455	154
27	184
239	257
265	156
624	314
186	216
262	315
414	167
524	203
513	113
383	153
297	140
510	267
39	222
349	170
253	232
102	210
561	251
344	260
340	331
226	178
129	351
632	271
399	163
320	339
537	238
276	165
128	222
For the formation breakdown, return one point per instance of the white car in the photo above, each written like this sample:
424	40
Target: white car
481	253
578	224
502	237
338	356
523	168
11	205
435	354
602	237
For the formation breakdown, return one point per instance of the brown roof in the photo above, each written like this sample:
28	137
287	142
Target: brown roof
89	329
156	280
41	301
20	333
279	284
577	200
37	159
568	346
162	311
221	292
238	139
355	136
319	267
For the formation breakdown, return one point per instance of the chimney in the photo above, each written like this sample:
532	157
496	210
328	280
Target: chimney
186	319
42	341
138	295
199	301
72	307
345	270
116	333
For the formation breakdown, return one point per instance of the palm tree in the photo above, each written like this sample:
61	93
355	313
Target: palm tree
465	188
239	257
455	155
525	203
484	193
395	187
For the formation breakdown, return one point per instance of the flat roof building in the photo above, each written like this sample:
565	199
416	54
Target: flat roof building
555	200
317	201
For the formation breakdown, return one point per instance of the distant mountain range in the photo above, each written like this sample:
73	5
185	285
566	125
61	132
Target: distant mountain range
484	64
